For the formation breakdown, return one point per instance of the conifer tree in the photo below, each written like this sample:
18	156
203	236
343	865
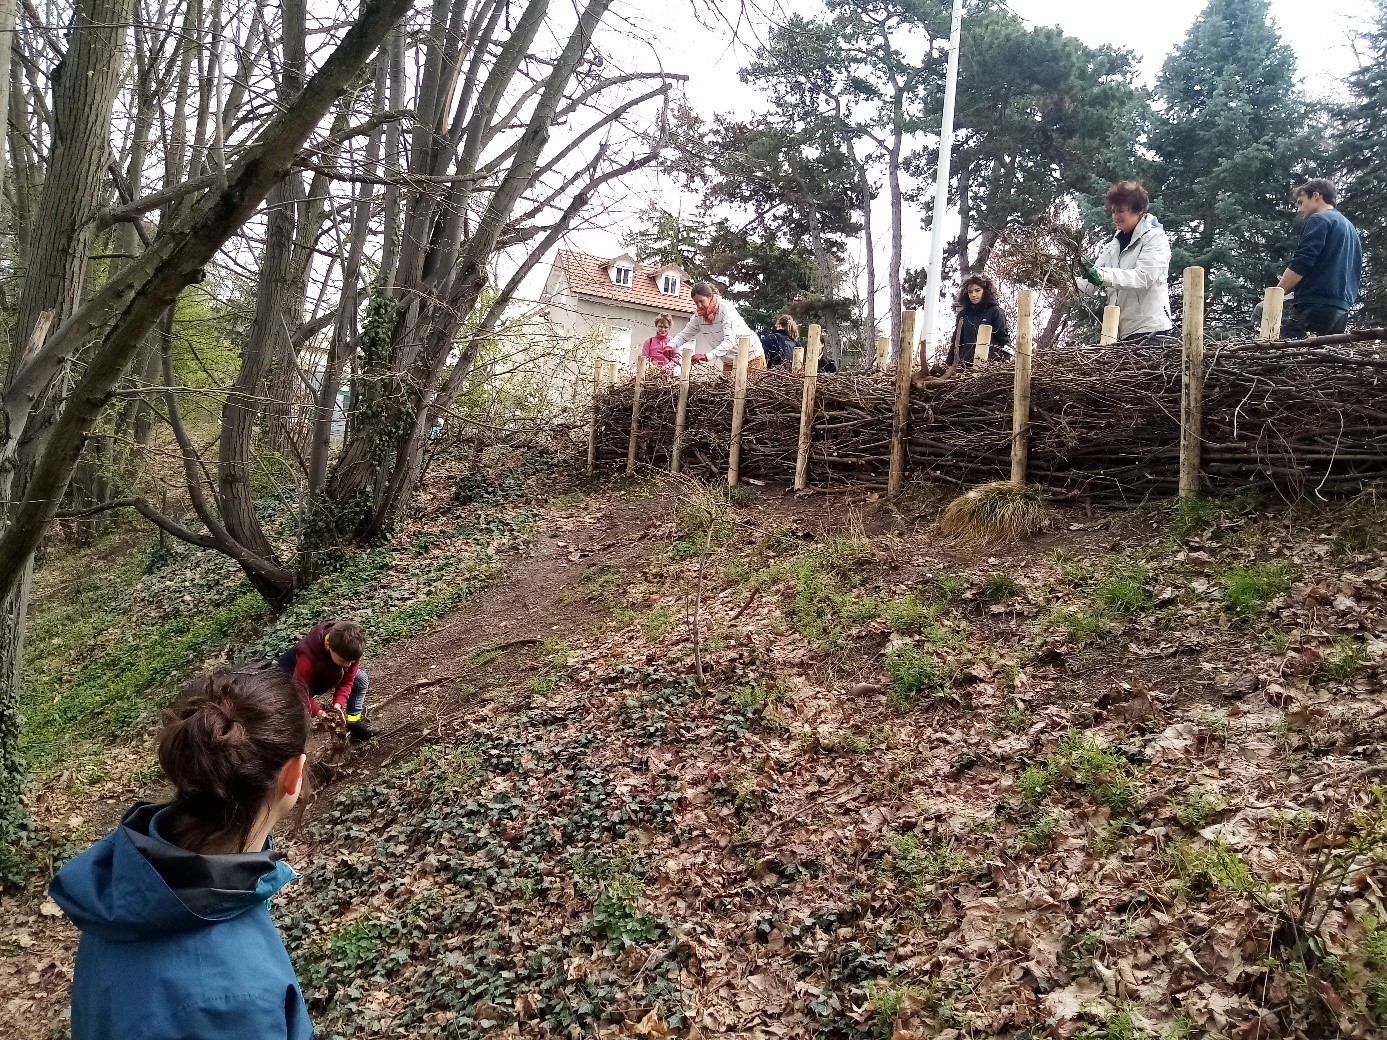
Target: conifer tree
1230	139
1362	151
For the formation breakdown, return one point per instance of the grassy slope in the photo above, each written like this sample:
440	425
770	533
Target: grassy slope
1063	790
1066	789
119	626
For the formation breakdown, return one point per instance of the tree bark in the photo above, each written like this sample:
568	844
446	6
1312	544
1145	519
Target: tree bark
122	314
85	89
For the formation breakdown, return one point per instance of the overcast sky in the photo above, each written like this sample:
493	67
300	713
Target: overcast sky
711	56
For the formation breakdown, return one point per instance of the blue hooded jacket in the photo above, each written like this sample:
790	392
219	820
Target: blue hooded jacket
177	945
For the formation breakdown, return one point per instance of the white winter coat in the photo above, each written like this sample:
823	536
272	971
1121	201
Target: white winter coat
718	338
1137	279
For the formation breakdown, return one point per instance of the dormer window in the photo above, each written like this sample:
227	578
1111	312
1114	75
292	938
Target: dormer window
621	274
669	284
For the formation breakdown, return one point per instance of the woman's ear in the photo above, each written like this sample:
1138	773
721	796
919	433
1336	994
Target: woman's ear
291	777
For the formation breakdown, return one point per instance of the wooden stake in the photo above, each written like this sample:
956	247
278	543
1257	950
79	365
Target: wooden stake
1273	306
1112	314
798	363
597	367
883	351
982	353
734	450
685	370
904	370
1021	391
1192	382
635	415
806	409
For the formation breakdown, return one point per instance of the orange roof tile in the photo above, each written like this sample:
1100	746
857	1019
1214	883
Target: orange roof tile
587	276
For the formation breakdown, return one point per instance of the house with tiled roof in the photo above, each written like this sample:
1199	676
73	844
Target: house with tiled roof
612	302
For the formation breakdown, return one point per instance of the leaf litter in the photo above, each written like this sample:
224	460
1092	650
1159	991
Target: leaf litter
1162	821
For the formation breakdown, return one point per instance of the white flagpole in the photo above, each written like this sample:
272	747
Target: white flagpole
941	187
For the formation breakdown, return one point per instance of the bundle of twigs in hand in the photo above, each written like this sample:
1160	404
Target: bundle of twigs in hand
1301	418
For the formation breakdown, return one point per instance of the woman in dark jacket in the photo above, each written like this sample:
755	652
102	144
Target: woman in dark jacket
172	905
977	306
780	343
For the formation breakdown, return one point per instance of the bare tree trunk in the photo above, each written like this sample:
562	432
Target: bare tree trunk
267	338
893	180
869	318
965	217
84	92
123	312
74	186
343	343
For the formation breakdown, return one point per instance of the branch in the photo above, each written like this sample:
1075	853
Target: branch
124	311
131	210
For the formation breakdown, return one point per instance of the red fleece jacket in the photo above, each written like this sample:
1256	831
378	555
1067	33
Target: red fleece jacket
316	672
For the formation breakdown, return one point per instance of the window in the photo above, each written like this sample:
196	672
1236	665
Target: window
669	285
621	275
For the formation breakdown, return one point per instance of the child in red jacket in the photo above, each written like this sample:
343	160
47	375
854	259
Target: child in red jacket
327	659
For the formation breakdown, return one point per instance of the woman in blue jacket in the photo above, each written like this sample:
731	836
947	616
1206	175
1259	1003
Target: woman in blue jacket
177	940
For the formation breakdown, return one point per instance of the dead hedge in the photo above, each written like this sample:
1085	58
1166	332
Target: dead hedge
1302	418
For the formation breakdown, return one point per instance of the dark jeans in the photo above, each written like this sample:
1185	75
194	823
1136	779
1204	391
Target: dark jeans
356	700
1147	339
1315	319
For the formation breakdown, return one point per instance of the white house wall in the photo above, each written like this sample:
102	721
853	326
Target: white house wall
583	316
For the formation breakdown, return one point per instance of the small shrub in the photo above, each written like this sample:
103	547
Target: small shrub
1107	777
1373	950
1000	586
1082	626
740	494
1124	592
1040	832
357	943
617	918
951	586
1082	950
908	616
686	548
1248	590
886	1000
844	553
994	512
1199	868
914	674
1343	660
918	863
1197	808
861	611
1035	782
1189	516
1213	728
751	696
657	622
1119	1024
1015	719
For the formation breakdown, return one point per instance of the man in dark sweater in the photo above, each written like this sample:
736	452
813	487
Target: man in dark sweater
1326	271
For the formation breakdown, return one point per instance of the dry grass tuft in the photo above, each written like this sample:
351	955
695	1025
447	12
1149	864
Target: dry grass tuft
996	512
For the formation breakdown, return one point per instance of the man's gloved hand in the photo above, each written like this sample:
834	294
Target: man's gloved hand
1093	276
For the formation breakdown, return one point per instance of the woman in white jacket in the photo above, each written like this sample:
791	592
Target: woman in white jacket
1134	267
714	329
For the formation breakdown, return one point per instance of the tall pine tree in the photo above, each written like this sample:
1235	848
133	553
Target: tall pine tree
1229	140
1362	151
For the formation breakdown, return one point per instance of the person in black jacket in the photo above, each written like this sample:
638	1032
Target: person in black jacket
977	306
780	343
